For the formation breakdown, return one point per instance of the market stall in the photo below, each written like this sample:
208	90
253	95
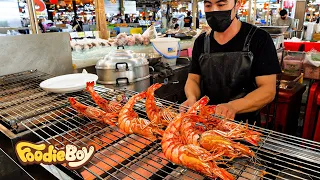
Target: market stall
124	120
30	113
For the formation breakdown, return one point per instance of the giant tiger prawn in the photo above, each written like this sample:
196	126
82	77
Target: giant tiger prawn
183	141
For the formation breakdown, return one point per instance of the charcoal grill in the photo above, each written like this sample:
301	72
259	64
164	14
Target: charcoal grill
29	113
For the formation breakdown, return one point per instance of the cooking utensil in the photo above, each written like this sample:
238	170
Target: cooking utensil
121	64
153	58
274	29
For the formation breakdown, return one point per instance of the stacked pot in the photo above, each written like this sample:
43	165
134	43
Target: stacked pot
124	69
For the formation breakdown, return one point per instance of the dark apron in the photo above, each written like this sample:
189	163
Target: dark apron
226	76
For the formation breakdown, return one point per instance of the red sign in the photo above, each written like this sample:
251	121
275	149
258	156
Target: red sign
39	5
53	1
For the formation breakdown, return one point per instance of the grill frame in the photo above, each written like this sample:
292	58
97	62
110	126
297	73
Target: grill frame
59	109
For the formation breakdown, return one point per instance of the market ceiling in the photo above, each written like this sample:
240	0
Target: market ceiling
139	2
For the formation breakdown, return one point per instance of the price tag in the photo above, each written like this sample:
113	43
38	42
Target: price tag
88	34
96	34
80	34
73	34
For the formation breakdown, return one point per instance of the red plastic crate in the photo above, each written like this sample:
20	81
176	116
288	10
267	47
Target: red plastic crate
316	136
292	46
288	109
311	111
311	45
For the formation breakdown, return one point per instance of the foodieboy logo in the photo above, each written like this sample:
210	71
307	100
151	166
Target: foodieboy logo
30	153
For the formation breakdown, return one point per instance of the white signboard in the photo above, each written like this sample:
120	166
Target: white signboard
112	8
130	7
9	13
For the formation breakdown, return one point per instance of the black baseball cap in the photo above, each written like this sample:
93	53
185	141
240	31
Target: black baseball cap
283	12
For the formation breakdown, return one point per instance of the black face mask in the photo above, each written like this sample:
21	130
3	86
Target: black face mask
284	18
219	20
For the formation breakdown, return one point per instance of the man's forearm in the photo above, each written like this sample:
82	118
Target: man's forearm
192	89
253	101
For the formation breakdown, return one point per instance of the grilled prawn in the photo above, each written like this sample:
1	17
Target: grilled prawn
191	156
158	116
218	144
107	106
228	129
129	121
190	129
93	113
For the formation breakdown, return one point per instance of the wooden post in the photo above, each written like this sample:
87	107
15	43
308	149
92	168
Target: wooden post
194	14
101	23
122	7
33	17
268	11
255	11
249	11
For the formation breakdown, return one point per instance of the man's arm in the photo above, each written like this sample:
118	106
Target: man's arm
253	101
292	25
192	87
258	98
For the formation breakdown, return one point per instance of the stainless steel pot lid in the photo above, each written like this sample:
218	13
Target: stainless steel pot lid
121	60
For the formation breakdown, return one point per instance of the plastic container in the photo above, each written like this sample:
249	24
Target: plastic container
292	63
168	48
311	72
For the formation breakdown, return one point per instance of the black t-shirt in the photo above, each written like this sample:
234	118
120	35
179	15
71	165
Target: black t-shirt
265	60
187	21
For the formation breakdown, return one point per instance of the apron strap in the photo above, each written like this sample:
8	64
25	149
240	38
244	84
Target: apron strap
248	38
207	43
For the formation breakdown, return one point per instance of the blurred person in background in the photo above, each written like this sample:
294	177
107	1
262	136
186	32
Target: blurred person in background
136	20
59	21
173	23
200	14
42	25
176	27
120	20
77	24
285	20
114	20
188	20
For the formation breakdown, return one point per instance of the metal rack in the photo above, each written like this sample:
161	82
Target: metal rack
123	156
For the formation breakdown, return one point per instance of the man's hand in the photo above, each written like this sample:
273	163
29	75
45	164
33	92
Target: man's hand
188	103
225	111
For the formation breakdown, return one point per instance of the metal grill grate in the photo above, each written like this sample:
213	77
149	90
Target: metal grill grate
121	156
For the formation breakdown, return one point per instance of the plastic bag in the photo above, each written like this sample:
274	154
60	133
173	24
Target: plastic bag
122	39
131	41
146	40
150	32
313	58
138	39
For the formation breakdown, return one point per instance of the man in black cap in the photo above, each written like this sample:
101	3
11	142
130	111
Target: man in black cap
284	20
